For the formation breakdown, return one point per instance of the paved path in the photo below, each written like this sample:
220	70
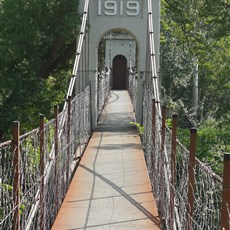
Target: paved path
111	189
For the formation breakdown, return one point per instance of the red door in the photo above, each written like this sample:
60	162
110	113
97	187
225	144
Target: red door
119	72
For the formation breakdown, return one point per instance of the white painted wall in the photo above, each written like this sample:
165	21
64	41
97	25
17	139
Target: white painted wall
125	46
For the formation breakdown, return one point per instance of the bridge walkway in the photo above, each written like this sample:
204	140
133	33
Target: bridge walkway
111	188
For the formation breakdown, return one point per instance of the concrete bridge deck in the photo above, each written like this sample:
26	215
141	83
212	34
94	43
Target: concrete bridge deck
111	188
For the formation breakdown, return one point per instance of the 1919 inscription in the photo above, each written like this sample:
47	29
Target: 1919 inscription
120	8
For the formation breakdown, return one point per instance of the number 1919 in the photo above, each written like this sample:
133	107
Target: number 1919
113	8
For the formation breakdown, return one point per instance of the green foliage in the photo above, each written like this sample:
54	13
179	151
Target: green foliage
198	30
6	196
7	187
37	42
169	123
22	208
189	33
139	128
213	141
32	154
183	136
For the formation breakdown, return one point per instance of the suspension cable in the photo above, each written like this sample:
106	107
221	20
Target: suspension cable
153	57
79	50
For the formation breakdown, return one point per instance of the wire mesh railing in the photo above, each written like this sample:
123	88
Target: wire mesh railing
30	173
62	146
133	87
183	202
208	196
188	194
6	185
103	88
157	164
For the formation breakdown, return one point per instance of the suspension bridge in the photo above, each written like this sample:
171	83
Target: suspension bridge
108	160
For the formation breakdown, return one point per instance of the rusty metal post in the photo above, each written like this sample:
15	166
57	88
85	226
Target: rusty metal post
42	170
16	176
68	140
161	167
225	207
191	177
173	169
56	154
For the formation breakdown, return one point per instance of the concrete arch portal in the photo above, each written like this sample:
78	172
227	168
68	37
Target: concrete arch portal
129	15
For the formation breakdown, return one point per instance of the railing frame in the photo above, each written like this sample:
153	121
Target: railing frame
42	171
16	179
56	150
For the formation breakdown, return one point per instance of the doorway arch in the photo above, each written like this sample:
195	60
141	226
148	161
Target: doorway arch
119	72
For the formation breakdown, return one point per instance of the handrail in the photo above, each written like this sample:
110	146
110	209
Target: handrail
153	57
79	50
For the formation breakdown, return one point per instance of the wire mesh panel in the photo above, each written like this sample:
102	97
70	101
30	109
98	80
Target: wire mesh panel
61	158
50	205
80	122
30	174
180	187
148	135
157	162
6	185
74	134
133	88
207	193
103	87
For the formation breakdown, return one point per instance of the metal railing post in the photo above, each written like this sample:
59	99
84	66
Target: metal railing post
163	127
16	176
42	170
56	154
173	169
225	207
68	141
191	182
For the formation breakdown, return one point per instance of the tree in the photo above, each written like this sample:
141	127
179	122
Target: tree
37	42
193	29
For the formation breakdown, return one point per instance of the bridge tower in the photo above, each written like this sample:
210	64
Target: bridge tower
130	16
